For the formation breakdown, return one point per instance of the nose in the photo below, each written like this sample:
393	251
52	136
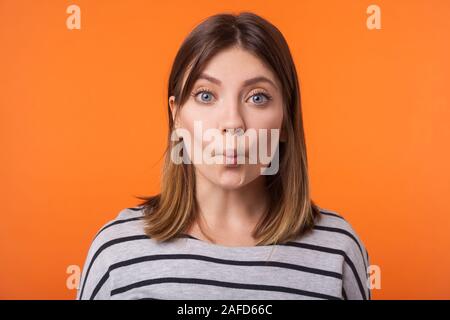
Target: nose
231	120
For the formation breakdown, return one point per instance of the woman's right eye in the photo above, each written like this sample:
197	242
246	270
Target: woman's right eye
205	96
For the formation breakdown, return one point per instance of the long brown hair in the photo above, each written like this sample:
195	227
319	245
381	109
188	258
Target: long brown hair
290	212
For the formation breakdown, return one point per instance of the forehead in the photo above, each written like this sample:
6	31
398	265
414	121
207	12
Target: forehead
234	67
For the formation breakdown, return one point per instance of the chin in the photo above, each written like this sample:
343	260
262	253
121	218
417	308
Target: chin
231	180
230	184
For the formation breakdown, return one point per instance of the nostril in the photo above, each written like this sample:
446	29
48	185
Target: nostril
239	131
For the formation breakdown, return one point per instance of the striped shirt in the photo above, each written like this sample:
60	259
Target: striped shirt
330	262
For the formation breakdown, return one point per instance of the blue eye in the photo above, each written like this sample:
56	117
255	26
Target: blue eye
262	98
206	96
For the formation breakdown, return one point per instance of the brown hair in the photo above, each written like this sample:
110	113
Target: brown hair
291	212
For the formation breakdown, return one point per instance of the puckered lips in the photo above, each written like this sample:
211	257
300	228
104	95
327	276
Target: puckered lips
231	157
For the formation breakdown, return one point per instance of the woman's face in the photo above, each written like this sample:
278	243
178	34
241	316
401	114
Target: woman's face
224	98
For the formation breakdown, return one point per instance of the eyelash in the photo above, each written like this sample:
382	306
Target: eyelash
255	92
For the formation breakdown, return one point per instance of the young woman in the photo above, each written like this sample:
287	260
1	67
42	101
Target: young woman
230	229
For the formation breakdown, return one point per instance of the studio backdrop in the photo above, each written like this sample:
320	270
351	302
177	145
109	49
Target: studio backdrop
83	125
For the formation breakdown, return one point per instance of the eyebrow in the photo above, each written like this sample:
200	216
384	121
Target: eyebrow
247	82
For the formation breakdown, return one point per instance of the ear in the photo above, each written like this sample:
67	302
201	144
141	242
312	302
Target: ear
173	107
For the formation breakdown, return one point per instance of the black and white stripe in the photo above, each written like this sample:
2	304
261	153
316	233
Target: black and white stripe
134	215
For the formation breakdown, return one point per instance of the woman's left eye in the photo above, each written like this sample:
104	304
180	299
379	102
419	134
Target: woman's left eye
260	98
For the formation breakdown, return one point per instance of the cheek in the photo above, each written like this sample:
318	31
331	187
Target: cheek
196	120
271	120
265	119
191	113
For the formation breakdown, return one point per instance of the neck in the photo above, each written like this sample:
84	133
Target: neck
229	213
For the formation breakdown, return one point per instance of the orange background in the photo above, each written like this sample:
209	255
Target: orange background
83	125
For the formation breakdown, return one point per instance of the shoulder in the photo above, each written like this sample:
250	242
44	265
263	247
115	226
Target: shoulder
127	224
335	226
111	240
334	231
128	220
